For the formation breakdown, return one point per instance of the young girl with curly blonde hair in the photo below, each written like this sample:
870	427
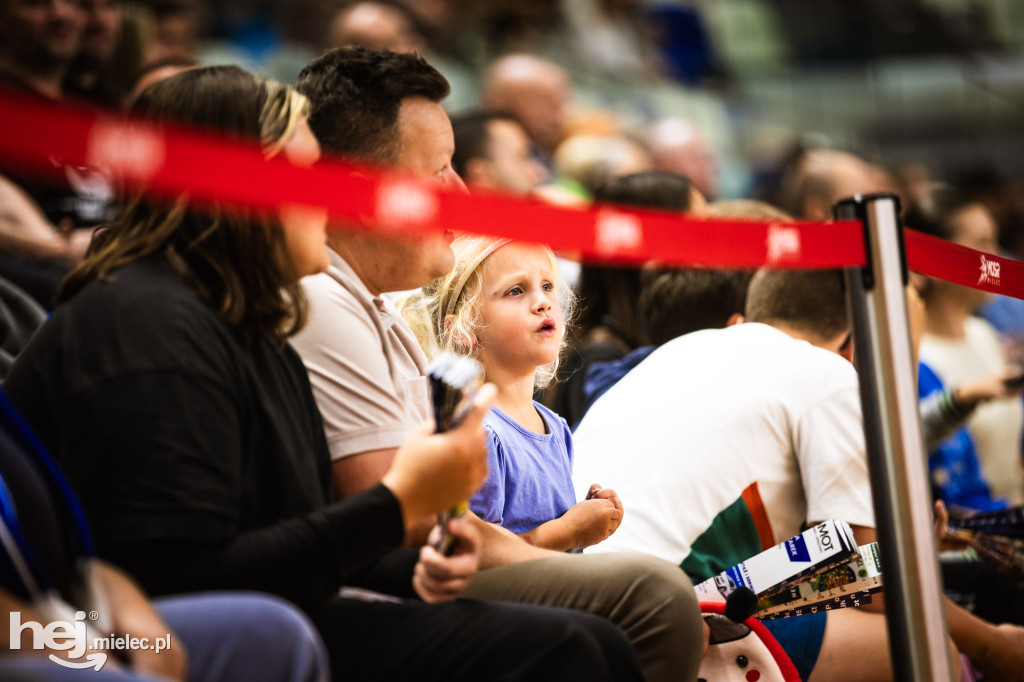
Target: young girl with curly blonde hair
505	304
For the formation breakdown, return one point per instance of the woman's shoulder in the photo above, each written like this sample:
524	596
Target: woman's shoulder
142	317
144	291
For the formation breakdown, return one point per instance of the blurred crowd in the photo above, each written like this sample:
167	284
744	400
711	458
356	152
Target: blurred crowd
518	98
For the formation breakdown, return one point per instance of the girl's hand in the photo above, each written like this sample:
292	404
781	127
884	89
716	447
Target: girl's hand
593	520
597	492
438	578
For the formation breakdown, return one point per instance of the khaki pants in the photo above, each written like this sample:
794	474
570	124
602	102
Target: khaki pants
651	599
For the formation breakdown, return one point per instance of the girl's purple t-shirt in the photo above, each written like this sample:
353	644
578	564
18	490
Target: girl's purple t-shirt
529	477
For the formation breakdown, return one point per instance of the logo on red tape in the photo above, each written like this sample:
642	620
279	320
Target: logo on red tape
617	232
401	203
783	244
126	150
989	272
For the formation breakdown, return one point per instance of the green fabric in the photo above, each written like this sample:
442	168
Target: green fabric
731	538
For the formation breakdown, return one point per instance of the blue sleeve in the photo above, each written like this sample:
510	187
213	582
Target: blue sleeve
489	501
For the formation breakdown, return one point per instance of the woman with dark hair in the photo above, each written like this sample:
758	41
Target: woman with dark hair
165	386
608	325
963	351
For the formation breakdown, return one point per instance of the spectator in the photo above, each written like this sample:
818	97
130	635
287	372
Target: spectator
678	146
493	151
165	384
725	442
209	637
819	178
38	41
960	347
584	162
374	24
367	369
609	325
615	39
115	45
505	304
711	299
38	240
176	30
537	92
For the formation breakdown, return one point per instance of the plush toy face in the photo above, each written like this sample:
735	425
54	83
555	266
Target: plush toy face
736	654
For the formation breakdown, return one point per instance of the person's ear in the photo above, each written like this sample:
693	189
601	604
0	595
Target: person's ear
845	348
457	336
734	319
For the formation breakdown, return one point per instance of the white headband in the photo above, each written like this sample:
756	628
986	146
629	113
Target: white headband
470	269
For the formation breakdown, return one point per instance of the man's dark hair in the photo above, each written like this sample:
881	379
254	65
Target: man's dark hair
356	93
810	301
608	294
675	302
933	211
473	136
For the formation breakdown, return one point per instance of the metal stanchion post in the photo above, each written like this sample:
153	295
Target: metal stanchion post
892	428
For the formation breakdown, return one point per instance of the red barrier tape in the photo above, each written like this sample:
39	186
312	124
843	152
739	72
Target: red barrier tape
168	161
954	263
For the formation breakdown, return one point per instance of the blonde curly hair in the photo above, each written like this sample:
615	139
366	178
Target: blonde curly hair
455	296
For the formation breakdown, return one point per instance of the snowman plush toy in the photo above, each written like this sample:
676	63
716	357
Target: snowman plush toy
742	651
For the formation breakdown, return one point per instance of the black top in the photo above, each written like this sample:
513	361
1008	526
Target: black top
198	452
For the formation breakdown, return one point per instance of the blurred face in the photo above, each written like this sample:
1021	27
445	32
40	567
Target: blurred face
975	228
426	145
521	324
40	35
102	25
511	165
541	106
305	228
374	25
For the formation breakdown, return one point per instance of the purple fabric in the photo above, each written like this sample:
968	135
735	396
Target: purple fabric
529	477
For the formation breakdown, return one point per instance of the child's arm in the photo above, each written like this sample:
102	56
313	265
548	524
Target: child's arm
586	523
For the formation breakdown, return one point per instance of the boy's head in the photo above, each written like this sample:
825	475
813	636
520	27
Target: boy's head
677	301
811	303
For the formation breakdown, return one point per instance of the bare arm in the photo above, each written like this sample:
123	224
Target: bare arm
499	546
586	523
25	230
134	616
356	473
997	649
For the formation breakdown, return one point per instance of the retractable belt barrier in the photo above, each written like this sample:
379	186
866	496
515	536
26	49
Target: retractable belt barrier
42	138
